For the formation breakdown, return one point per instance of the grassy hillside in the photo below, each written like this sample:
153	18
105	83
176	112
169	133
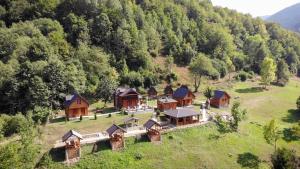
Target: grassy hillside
205	146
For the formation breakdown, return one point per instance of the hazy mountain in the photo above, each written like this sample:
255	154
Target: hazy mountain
288	17
265	17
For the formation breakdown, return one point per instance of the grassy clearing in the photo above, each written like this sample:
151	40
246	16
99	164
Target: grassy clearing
202	147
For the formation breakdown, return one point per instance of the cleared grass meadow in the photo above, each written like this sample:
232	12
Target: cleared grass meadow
204	146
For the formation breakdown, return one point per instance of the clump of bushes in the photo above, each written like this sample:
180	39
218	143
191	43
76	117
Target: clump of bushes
10	125
171	137
109	115
243	76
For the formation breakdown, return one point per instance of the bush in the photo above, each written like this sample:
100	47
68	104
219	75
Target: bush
109	115
95	116
12	124
298	103
243	76
138	156
284	158
171	137
40	114
170	78
80	118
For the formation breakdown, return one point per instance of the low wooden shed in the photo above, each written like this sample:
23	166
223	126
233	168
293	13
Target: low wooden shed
72	147
116	135
221	99
76	106
182	116
153	130
166	103
183	96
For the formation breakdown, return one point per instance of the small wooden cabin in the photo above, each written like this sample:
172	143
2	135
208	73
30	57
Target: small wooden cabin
221	99
153	130
182	116
183	96
72	148
168	91
152	93
76	106
116	135
166	104
126	98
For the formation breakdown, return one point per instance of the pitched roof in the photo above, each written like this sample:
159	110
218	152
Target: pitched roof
167	100
71	133
219	94
150	123
181	92
125	92
71	98
128	119
113	128
178	113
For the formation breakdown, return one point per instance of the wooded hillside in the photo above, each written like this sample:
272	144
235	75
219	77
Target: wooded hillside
50	48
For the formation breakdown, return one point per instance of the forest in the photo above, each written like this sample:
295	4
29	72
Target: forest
52	48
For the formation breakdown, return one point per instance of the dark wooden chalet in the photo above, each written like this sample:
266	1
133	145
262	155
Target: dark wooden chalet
168	91
221	99
116	135
76	106
72	148
153	130
152	93
182	116
166	103
126	98
183	96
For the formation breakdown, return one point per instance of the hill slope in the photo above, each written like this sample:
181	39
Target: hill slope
288	17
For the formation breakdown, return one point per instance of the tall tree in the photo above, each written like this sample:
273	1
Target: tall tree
199	67
282	73
267	72
272	133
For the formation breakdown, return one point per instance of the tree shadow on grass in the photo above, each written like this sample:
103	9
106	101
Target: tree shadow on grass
250	90
58	154
248	160
289	135
141	138
101	146
292	117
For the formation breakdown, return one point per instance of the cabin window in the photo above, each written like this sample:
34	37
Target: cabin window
78	101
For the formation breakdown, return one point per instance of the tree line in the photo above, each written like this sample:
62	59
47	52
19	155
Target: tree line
56	47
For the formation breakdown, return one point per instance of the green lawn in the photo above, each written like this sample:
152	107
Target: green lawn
204	146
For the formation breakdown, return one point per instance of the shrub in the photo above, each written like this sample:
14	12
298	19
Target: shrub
298	103
171	137
80	118
12	124
284	158
208	93
109	115
95	116
171	78
40	114
138	156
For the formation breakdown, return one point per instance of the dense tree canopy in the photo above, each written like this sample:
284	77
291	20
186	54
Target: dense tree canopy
56	47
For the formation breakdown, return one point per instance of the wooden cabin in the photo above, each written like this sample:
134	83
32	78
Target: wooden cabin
221	99
168	91
116	135
182	116
166	104
183	96
126	98
153	130
76	106
72	148
152	93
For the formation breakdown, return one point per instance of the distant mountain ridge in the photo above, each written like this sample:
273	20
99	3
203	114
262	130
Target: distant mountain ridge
288	17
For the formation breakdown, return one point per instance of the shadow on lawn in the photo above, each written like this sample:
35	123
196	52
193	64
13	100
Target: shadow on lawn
248	160
289	135
250	90
100	146
141	138
292	117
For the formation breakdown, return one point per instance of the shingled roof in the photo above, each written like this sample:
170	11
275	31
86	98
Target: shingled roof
70	98
178	113
70	134
181	92
219	94
150	123
125	92
114	128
